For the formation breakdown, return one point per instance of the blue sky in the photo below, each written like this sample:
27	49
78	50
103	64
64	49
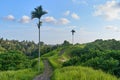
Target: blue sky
92	19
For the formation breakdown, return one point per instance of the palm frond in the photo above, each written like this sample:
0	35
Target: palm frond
38	12
73	31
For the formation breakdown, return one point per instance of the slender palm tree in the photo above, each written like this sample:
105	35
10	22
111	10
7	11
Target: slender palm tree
73	31
38	13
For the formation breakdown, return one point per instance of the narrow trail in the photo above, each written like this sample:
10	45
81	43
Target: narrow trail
47	72
61	52
48	69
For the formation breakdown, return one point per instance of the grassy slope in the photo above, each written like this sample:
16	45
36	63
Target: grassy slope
73	73
55	58
80	73
60	55
26	74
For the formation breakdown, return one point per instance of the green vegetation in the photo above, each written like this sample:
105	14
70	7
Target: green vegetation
23	74
85	55
26	74
15	65
17	59
98	60
101	54
29	48
14	60
53	58
58	56
80	73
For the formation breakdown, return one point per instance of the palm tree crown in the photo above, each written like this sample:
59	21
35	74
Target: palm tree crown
38	13
73	31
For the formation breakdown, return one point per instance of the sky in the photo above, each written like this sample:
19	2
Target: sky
91	19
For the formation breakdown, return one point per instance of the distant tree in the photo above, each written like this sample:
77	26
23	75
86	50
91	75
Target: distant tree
73	31
66	43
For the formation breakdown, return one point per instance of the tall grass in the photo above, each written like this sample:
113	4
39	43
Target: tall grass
54	62
26	74
80	73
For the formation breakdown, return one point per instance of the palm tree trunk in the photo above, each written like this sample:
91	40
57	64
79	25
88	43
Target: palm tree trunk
39	52
73	39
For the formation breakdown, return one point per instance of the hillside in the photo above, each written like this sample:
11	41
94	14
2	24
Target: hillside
100	55
98	60
29	48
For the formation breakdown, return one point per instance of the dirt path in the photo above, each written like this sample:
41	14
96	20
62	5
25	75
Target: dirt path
61	52
47	72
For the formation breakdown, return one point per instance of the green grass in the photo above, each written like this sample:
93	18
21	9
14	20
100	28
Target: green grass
81	73
26	74
57	60
53	58
54	62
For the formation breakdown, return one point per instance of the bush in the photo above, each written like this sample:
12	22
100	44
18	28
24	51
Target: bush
14	60
107	60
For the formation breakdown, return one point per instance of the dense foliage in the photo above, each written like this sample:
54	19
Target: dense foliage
100	54
23	74
14	60
29	48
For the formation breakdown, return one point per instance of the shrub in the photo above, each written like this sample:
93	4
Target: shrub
14	60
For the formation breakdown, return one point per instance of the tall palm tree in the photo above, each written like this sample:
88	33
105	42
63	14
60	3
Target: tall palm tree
73	31
38	13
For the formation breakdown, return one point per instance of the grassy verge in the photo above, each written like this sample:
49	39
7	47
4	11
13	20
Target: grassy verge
26	74
81	73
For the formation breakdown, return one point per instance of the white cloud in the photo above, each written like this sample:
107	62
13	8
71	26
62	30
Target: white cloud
63	21
54	21
10	17
50	19
75	16
25	19
67	13
110	10
113	28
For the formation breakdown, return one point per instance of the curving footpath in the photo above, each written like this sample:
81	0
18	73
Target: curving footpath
47	72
